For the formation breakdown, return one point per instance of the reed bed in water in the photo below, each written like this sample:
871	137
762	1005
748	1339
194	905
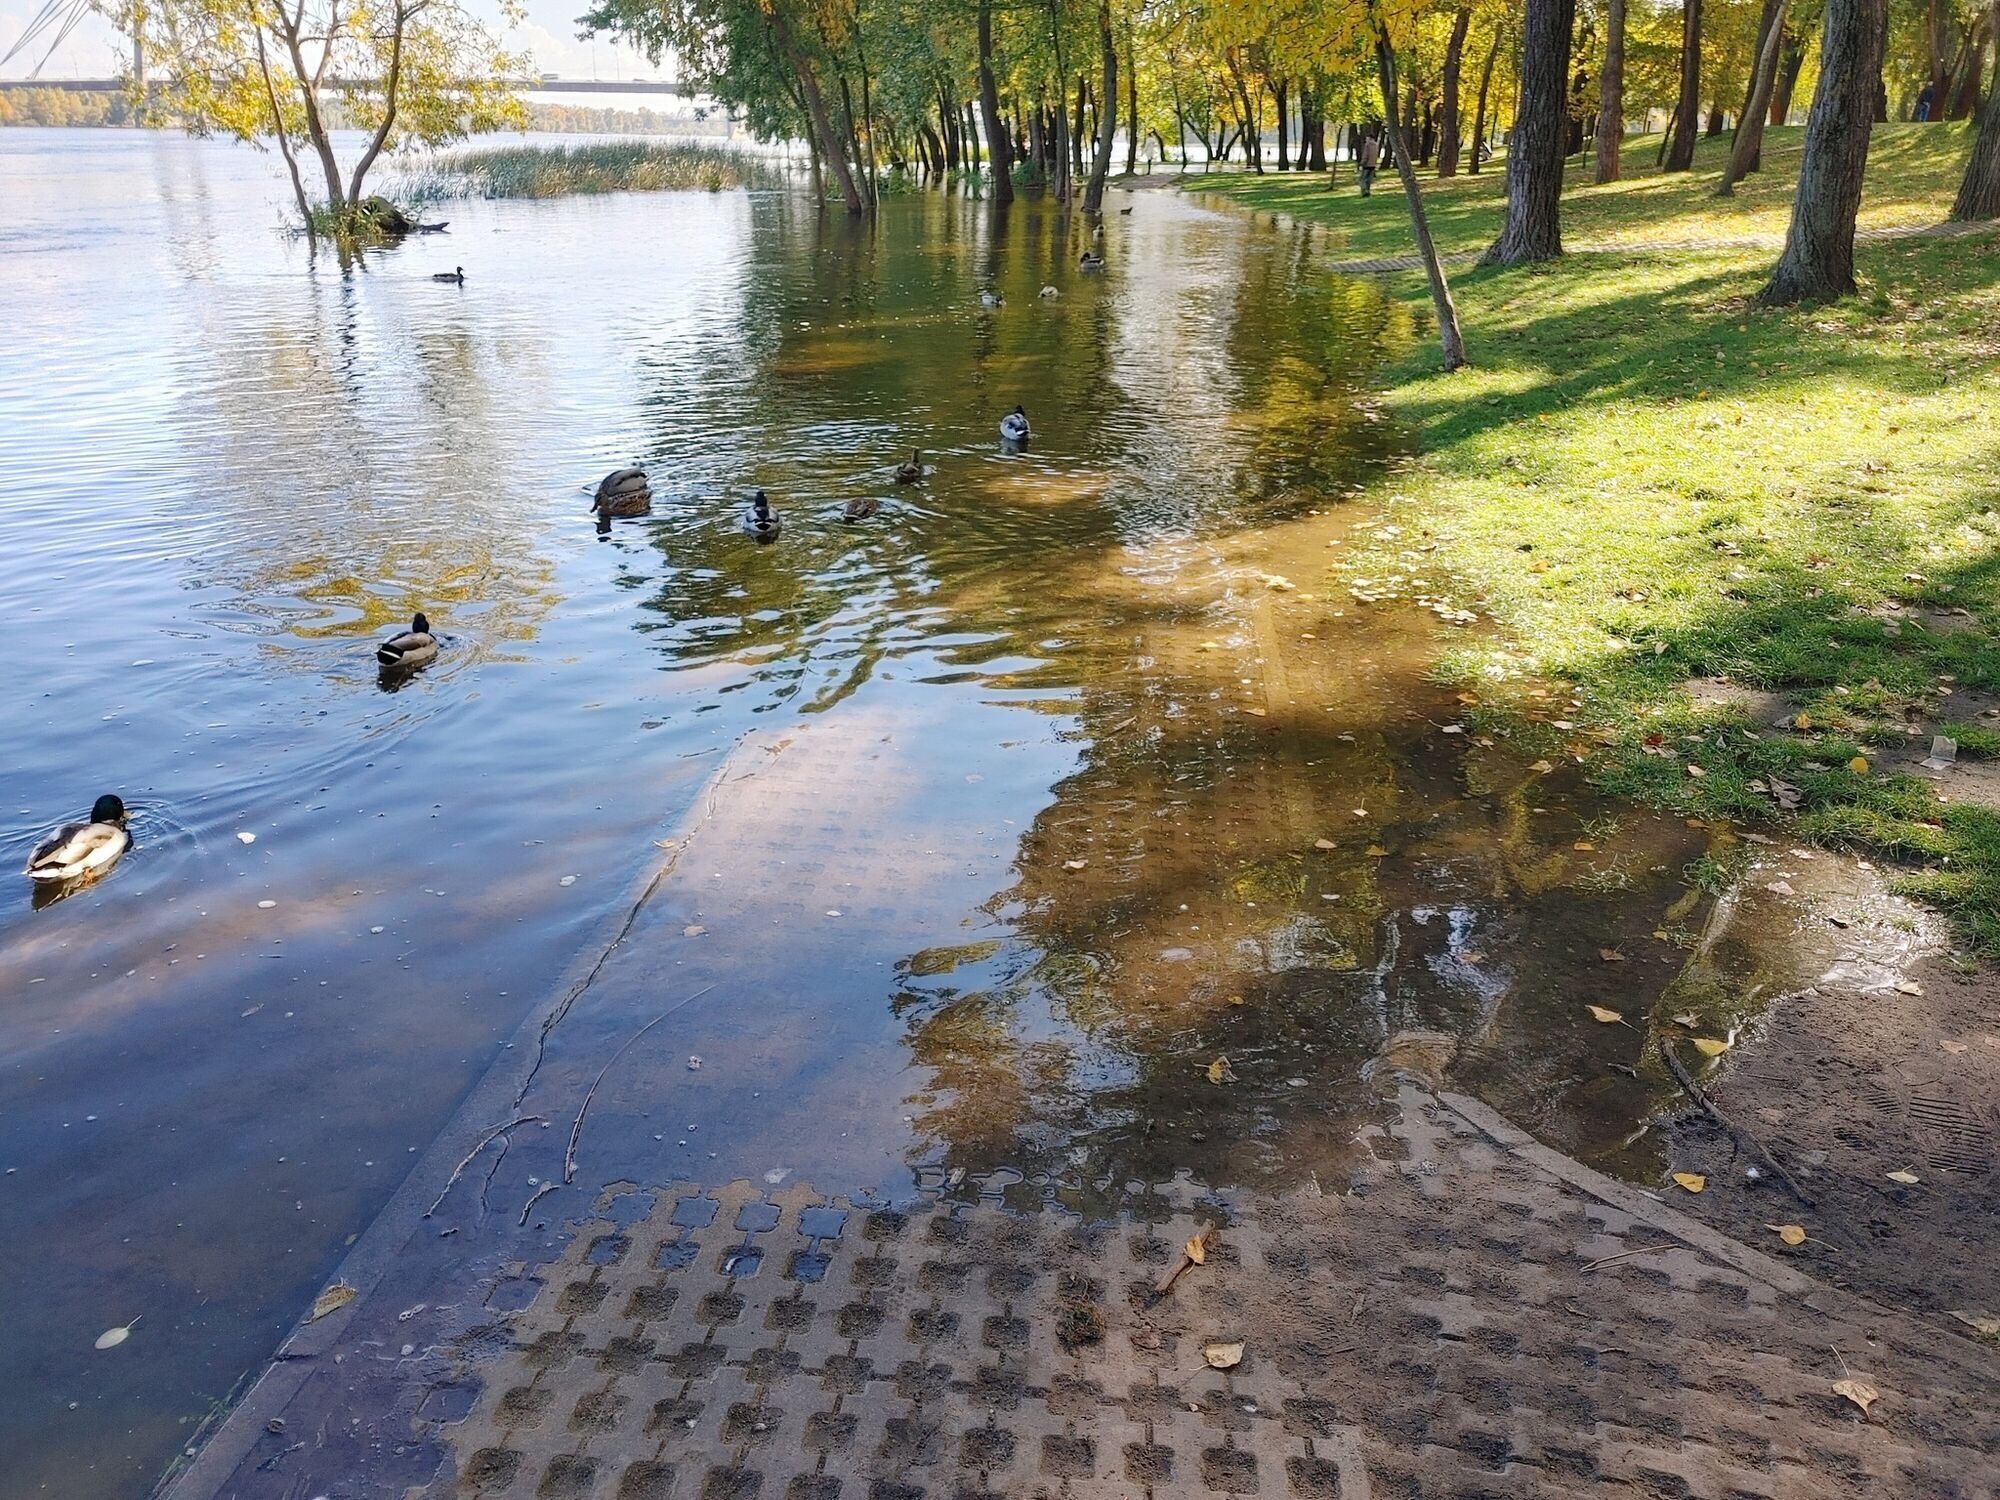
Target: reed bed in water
552	171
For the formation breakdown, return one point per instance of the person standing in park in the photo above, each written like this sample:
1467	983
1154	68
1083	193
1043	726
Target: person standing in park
1925	100
1370	159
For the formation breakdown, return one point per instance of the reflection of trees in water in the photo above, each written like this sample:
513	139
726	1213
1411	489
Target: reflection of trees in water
354	470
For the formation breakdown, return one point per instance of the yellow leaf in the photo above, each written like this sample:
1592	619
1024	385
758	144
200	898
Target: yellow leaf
1904	1177
1218	1070
1376	851
1694	1182
1696	771
1708	1046
1791	1234
1609	1017
1802	721
1222	1356
1860	1392
1541	767
1859	766
1583	844
1325	844
1196	1251
332	1300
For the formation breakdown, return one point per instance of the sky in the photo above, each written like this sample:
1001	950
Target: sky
548	35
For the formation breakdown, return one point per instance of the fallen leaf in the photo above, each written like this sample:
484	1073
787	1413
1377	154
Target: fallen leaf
693	930
1708	1046
1694	1182
1196	1251
1686	1018
1376	851
1860	1392
1695	771
1779	888
1222	1356
1802	721
1905	1178
332	1300
1325	844
1905	987
1583	844
111	1338
1859	766
1218	1071
1541	768
1791	1234
1608	1017
1956	1049
1075	864
1611	955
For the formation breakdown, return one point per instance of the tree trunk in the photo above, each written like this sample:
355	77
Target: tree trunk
1281	93
1316	135
283	136
1611	95
999	149
1077	127
1687	110
1449	339
1965	98
1791	58
391	94
1107	112
1746	153
322	144
1979	194
1476	157
1533	229
831	147
1252	137
1454	58
1818	260
1132	105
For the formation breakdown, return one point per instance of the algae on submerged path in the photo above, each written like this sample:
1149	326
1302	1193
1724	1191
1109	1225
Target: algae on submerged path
1646	480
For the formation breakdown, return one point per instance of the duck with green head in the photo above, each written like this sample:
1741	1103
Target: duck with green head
79	849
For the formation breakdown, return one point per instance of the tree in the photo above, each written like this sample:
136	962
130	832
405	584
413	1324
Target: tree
999	145
420	71
1979	194
1746	152
1448	111
1449	338
1687	111
1611	94
1818	260
1107	112
1533	227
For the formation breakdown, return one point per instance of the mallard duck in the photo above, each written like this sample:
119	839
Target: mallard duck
862	509
78	849
760	520
410	648
623	492
1097	234
1091	261
1050	293
1124	211
456	275
1014	426
913	471
992	299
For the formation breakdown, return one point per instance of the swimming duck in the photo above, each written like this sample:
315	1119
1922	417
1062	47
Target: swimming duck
623	492
78	849
1097	234
861	509
1050	293
456	275
913	471
410	648
760	520
992	299
1091	261
1124	211
1014	426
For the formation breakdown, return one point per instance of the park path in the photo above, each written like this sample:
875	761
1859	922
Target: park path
1466	1313
1388	263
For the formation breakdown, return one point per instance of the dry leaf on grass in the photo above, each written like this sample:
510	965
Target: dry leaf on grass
1607	1016
1075	864
1686	1018
1860	1392
1325	844
1376	851
1223	1356
1791	1234
332	1300
1859	766
1694	1182
1218	1071
1709	1046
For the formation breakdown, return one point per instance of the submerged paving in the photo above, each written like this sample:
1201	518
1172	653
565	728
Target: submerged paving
1467	1314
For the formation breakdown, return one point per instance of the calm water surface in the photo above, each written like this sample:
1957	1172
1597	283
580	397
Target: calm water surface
1195	814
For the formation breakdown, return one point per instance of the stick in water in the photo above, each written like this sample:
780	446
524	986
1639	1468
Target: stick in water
576	1130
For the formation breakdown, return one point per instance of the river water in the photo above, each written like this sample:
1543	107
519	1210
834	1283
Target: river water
1127	797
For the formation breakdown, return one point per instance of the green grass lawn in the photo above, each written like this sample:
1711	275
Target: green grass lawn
1643	479
1913	173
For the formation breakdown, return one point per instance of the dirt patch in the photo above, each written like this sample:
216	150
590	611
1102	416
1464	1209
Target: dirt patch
1878	1056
